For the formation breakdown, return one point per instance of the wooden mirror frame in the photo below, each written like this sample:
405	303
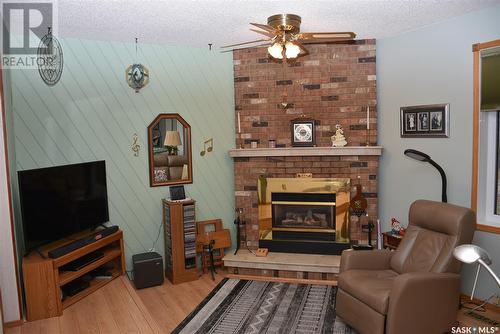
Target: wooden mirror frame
476	49
188	150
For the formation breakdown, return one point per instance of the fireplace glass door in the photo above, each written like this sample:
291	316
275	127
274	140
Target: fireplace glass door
303	212
303	216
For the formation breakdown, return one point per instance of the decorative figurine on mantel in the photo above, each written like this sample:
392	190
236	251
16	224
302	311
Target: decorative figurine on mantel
338	140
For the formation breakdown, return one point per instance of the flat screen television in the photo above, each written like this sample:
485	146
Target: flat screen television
59	201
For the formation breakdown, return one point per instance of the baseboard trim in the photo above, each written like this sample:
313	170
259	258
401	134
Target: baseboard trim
488	306
282	279
14	323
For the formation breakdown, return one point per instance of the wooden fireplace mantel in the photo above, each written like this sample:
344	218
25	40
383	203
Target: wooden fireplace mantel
305	151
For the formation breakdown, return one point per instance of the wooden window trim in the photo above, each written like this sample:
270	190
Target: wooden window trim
476	48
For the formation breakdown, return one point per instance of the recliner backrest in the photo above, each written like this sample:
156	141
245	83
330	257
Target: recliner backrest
434	230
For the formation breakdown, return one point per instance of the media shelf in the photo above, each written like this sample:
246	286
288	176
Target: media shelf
94	285
43	277
180	241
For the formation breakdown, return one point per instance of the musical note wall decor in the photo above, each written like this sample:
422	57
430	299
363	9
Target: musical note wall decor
208	146
135	146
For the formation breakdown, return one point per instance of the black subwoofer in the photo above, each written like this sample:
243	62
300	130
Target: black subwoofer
148	269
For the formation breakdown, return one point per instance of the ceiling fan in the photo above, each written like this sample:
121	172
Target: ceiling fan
284	38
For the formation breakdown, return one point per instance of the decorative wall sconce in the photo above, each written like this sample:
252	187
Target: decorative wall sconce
135	146
210	148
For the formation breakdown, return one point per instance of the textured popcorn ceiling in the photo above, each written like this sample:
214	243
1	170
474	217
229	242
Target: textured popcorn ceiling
219	22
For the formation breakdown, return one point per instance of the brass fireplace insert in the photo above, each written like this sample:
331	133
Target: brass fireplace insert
303	211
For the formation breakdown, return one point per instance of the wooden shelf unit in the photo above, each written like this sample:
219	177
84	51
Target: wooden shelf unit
43	277
179	225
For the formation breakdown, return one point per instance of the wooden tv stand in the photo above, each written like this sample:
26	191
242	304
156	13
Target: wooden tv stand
43	277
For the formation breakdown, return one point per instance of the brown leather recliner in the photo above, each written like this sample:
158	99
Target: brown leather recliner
414	289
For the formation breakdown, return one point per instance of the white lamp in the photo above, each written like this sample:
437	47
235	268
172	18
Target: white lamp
471	254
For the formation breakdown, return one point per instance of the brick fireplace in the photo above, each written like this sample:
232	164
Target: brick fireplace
334	84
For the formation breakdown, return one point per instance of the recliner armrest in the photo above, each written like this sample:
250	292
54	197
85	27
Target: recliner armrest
368	260
423	302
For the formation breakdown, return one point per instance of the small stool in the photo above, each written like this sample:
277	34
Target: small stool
210	241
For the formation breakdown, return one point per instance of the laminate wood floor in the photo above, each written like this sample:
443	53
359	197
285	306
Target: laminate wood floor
119	308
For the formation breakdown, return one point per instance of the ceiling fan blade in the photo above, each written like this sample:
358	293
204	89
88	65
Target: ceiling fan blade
264	27
333	36
328	41
238	44
266	33
248	47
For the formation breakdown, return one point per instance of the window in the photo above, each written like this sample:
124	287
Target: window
486	170
497	167
488	206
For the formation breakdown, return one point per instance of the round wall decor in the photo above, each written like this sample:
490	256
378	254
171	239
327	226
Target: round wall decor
50	59
137	76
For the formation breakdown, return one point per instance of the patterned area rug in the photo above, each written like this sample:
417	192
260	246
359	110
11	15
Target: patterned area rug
239	306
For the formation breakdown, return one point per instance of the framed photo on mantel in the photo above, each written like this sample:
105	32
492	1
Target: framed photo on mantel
425	121
303	132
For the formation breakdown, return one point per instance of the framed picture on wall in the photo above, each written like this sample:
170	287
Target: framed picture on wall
425	121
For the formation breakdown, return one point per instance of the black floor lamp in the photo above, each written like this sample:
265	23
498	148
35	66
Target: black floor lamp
420	156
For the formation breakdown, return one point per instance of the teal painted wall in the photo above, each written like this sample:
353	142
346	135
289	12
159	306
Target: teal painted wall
426	66
91	114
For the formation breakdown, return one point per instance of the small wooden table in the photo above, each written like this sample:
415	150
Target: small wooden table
391	241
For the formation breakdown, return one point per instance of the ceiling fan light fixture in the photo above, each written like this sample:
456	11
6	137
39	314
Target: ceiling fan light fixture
292	50
284	38
276	50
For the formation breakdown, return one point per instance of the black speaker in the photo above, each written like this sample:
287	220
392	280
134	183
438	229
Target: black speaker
148	269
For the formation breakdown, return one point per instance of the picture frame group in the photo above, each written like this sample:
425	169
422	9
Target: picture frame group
431	120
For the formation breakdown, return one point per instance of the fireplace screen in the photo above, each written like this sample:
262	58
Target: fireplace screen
291	211
303	216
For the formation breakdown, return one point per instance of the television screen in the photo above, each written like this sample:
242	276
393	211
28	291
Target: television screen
59	201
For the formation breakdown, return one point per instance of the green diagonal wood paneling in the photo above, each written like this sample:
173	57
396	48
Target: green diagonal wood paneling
91	114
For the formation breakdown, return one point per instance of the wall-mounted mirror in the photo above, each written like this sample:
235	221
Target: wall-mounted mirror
169	142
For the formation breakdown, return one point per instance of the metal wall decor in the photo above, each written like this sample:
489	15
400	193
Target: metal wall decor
137	75
135	145
50	59
210	148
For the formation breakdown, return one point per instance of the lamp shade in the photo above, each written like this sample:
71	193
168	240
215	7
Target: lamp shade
417	155
292	50
172	138
421	156
276	50
471	253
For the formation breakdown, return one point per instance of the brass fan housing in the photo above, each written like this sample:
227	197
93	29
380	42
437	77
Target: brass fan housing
289	23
